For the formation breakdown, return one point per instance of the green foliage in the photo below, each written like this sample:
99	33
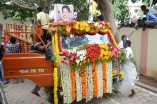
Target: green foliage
122	55
11	10
15	11
121	11
147	2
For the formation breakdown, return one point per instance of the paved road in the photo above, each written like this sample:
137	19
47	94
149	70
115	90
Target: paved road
21	94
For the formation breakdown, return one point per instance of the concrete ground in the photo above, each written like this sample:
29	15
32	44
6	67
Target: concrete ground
21	94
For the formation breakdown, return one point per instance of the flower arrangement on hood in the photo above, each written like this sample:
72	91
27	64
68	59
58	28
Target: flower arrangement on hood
103	26
78	28
93	29
93	52
62	28
81	27
90	53
75	57
105	52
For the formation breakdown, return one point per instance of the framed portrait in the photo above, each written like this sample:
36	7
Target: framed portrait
63	12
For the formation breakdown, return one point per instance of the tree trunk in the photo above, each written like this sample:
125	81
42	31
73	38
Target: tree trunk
105	6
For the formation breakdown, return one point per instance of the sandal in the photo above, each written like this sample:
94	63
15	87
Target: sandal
36	93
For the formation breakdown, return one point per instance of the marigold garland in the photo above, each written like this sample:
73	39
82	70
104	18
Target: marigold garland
112	39
55	76
73	83
55	48
84	85
95	81
104	77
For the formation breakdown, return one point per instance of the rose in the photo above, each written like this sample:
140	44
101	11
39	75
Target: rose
66	52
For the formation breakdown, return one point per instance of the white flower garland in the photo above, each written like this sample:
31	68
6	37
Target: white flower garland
89	79
99	79
78	86
109	76
66	83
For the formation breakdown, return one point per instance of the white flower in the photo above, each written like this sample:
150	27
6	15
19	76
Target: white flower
81	58
77	61
74	50
96	23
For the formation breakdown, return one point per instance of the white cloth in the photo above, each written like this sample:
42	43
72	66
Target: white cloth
130	74
44	17
121	44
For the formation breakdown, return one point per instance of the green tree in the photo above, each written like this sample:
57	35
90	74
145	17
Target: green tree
121	11
22	9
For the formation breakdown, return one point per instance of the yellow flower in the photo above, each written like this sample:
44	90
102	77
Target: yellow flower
68	29
81	28
121	75
76	27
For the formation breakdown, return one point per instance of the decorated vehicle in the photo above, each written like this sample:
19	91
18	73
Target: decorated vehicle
83	71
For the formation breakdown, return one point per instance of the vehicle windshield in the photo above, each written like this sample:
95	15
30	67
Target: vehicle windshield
76	41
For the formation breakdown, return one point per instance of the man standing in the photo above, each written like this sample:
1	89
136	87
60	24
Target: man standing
13	46
42	18
1	66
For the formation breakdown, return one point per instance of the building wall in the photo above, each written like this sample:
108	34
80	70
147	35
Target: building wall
11	21
144	48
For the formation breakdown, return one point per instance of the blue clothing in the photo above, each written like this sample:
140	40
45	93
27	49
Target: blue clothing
2	73
151	17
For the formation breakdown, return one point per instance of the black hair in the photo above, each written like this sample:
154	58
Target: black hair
100	17
40	9
147	10
128	42
143	7
12	39
66	7
123	36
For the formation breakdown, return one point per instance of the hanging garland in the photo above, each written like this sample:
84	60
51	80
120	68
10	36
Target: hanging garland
73	79
99	73
59	44
66	83
89	83
104	77
55	75
84	83
55	48
78	85
95	81
109	76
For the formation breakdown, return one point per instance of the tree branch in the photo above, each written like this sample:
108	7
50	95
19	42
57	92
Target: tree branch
23	5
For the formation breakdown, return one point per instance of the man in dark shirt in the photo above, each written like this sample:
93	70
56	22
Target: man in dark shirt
1	66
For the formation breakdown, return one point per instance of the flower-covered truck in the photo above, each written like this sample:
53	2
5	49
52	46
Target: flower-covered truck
84	64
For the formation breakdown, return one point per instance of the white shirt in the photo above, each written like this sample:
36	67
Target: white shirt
44	17
129	53
121	44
